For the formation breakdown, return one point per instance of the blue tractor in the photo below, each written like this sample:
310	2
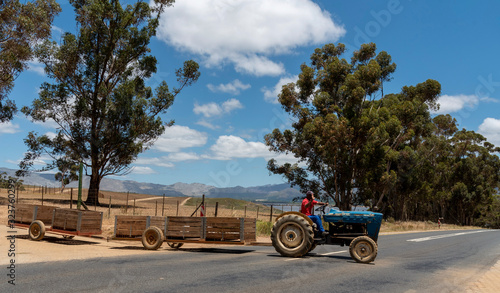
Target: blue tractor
294	234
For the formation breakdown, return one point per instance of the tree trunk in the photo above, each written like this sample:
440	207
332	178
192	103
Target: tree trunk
93	194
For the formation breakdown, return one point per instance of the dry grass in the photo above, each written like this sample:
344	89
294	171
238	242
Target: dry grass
405	226
145	205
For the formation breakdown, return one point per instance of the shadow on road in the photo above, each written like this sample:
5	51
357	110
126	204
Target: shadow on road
216	250
58	240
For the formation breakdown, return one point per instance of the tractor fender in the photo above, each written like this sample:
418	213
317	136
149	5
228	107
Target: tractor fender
298	214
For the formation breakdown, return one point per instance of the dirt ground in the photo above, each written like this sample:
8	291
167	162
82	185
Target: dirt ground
55	248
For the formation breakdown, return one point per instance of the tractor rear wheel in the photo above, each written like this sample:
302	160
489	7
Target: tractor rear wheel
152	238
363	249
36	230
292	236
313	246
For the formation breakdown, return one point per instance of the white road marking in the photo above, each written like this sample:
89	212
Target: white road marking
445	236
335	252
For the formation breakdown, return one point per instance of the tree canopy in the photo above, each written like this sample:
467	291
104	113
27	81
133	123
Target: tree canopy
98	96
359	146
21	27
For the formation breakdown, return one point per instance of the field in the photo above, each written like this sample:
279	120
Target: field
118	203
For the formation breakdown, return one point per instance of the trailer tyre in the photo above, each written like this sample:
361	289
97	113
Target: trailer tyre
175	245
363	249
152	238
37	230
292	235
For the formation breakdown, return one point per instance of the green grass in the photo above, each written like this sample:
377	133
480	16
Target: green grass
264	228
230	203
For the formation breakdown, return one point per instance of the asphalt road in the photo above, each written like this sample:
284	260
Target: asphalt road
443	261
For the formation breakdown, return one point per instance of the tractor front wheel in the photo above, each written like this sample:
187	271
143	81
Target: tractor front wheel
363	249
292	236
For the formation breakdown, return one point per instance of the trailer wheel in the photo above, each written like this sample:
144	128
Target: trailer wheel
363	249
292	235
152	238
36	230
68	237
175	245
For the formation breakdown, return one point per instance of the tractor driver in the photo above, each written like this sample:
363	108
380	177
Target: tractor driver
306	208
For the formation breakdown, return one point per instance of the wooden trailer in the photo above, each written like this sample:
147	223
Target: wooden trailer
176	231
40	219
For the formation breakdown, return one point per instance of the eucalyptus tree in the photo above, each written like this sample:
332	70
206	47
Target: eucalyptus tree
346	135
98	96
21	26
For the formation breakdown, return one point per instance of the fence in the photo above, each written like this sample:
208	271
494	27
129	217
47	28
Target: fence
154	205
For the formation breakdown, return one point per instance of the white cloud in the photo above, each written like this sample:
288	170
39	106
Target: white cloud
177	137
179	157
36	67
228	147
490	128
271	95
160	162
9	128
213	109
231	105
234	87
167	161
246	33
49	123
451	104
207	124
208	110
142	170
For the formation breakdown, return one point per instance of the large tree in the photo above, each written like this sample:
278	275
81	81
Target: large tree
346	134
21	26
106	113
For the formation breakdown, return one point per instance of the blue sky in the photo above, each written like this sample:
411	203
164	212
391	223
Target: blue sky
248	48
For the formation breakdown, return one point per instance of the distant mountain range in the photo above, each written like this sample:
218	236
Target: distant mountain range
269	193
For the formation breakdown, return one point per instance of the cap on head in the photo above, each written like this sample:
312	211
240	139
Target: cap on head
309	193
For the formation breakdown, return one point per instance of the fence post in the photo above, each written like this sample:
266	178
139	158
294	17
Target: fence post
42	196
109	209
271	215
216	207
257	218
133	211
126	207
156	208
177	213
71	199
163	205
245	215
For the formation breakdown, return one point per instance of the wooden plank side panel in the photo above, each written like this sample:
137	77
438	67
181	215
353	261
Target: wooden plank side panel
184	220
184	227
250	229
223	236
24	213
45	213
130	226
65	219
158	222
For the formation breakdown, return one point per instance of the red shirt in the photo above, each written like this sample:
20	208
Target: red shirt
307	211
